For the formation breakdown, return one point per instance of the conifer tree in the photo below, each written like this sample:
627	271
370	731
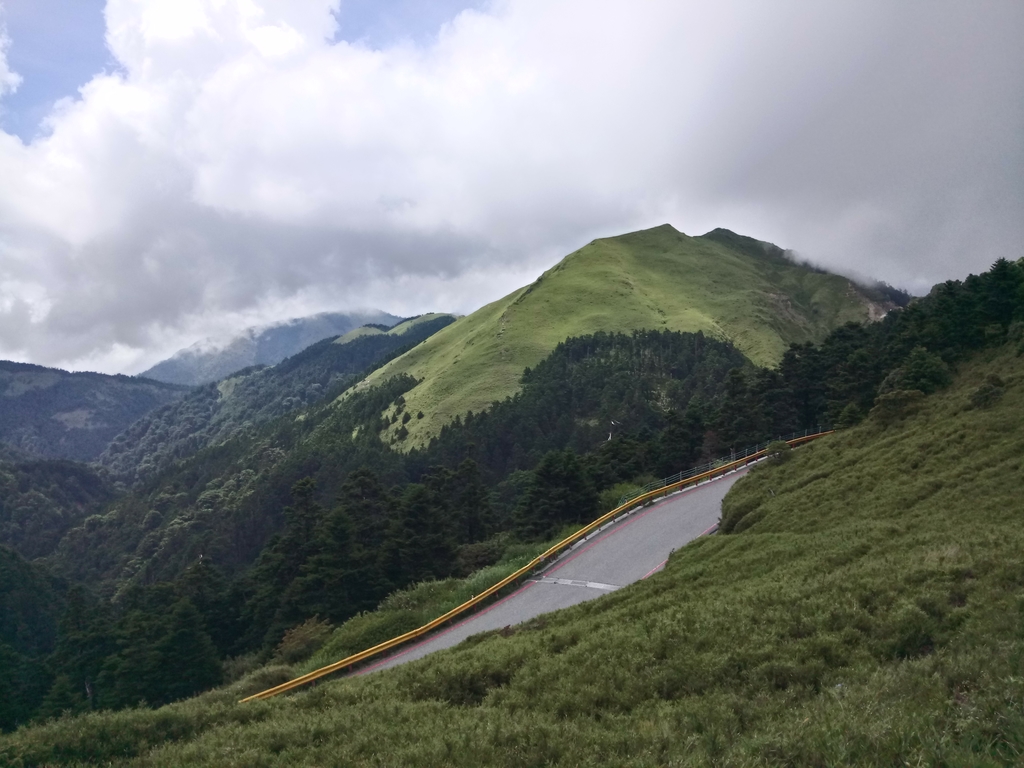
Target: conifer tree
209	591
164	653
368	506
23	682
560	492
279	564
84	642
187	658
418	545
924	371
327	585
678	445
63	697
471	504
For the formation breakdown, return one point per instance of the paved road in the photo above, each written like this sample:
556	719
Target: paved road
627	551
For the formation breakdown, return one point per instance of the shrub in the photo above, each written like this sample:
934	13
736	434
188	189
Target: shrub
263	678
922	371
850	416
894	406
778	451
733	511
925	371
472	557
608	499
988	393
238	667
301	642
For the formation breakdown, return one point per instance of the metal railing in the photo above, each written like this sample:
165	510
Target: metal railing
711	465
686	478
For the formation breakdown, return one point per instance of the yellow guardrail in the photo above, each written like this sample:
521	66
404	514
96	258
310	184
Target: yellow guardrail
526	569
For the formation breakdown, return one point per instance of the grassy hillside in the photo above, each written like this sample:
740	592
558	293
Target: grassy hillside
725	285
865	610
240	404
357	333
398	329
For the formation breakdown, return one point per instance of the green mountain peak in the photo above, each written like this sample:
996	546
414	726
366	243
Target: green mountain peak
659	278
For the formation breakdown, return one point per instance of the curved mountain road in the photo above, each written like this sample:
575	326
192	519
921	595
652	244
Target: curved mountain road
628	550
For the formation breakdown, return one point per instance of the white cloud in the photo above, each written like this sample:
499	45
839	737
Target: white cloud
242	168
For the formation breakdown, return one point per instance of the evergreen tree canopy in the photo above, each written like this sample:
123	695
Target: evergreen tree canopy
561	492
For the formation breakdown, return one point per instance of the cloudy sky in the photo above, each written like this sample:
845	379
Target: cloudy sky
177	169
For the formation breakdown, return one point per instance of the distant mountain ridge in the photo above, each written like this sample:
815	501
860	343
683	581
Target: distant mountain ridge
54	414
269	345
726	285
239	404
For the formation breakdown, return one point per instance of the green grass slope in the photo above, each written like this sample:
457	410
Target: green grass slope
407	325
728	286
358	333
399	329
866	610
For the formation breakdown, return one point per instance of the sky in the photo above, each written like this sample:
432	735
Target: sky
173	170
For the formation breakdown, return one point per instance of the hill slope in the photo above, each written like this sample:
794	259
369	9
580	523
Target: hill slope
725	285
867	614
241	403
50	413
200	364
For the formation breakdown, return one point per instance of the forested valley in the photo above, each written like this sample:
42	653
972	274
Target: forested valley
215	551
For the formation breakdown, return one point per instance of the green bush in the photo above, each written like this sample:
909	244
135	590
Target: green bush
896	405
608	499
301	642
850	416
988	393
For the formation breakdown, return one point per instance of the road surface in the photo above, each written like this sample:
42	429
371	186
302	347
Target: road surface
629	550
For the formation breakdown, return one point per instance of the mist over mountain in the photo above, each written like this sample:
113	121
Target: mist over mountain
203	363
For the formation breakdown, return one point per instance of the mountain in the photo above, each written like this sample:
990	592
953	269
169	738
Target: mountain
331	519
243	402
227	499
50	413
202	363
861	605
728	286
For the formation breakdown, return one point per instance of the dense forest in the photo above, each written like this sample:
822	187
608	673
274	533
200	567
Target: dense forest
217	555
40	501
53	414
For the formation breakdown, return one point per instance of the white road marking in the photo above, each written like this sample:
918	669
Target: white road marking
578	583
